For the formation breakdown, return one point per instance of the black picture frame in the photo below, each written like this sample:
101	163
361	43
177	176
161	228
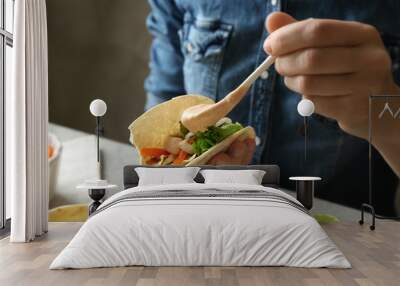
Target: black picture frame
369	207
6	39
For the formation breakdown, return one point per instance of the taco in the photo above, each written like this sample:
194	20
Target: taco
161	139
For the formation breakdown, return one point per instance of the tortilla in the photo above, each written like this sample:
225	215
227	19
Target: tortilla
242	134
152	128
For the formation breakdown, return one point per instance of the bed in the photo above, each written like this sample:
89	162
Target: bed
198	224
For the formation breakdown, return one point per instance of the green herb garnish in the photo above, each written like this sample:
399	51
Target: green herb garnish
213	135
183	129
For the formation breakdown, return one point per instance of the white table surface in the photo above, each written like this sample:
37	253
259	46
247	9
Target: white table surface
114	155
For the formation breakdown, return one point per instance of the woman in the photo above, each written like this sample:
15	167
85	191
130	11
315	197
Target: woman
209	47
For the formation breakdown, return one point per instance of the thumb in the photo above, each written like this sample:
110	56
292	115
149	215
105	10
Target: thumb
277	20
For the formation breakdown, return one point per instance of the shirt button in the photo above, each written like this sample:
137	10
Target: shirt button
189	48
273	2
264	75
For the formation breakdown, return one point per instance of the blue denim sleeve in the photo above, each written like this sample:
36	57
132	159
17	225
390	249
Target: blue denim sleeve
166	77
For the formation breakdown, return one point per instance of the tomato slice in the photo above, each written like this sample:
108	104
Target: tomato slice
182	156
152	161
153	152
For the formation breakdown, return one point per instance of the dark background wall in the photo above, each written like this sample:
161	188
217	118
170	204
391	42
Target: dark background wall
97	49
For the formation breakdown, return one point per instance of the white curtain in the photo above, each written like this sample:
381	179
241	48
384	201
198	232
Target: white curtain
27	123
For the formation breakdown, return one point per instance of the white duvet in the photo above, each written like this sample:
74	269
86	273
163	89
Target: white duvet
200	231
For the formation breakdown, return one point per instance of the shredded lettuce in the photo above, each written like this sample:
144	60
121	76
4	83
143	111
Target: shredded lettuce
228	129
183	129
212	136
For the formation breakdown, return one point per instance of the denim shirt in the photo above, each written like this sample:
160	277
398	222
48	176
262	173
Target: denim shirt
209	47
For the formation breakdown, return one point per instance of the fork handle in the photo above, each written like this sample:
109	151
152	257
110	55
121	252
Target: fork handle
233	98
258	71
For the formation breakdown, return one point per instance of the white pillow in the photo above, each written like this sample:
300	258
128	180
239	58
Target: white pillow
248	177
166	176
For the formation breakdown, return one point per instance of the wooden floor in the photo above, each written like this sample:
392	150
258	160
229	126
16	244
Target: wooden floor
375	257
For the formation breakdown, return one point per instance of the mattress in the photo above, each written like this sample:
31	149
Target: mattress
201	225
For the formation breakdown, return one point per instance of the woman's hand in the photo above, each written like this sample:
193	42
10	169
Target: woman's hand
239	153
336	64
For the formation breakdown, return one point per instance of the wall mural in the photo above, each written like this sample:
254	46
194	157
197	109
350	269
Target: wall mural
107	52
394	113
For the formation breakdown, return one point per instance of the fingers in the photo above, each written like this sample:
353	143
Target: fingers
337	60
325	85
239	153
333	71
340	108
220	159
277	20
336	64
329	106
318	33
251	148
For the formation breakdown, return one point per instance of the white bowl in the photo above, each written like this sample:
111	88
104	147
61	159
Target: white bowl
56	144
53	164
